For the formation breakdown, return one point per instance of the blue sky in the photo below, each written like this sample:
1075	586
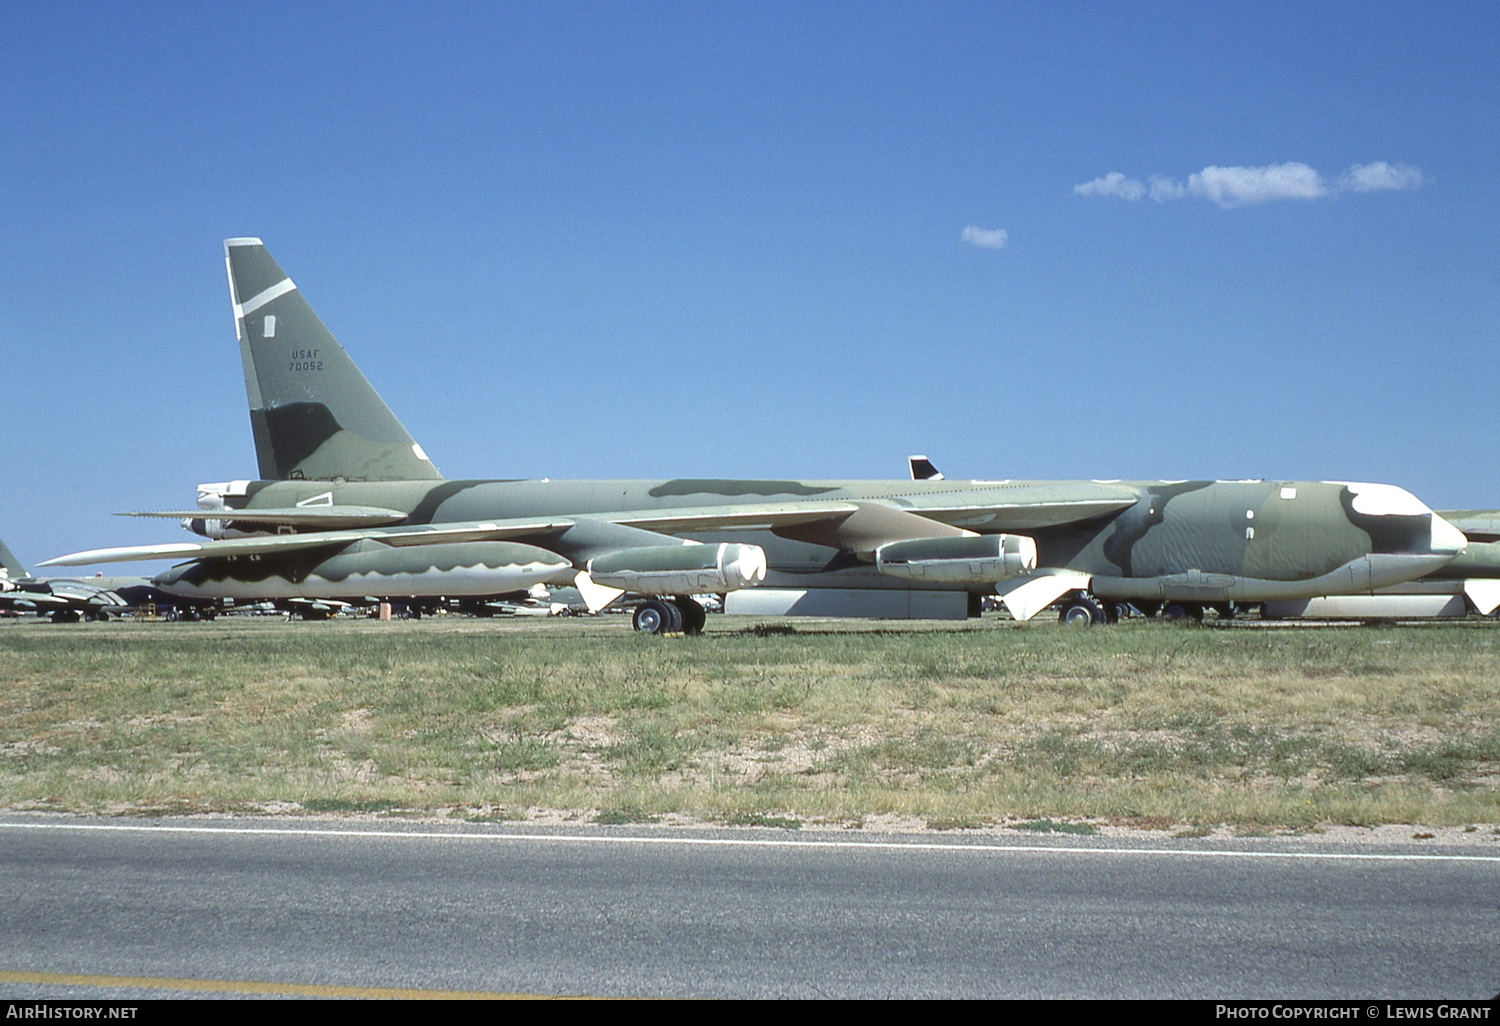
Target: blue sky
782	240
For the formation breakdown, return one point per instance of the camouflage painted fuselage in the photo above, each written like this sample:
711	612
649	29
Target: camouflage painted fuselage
1200	540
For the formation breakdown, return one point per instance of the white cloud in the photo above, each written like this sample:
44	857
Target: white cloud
1379	176
984	238
1163	189
1241	186
1112	184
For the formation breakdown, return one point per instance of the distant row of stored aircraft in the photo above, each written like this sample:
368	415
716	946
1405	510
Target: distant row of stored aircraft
348	507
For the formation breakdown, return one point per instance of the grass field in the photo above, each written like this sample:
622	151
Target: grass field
774	723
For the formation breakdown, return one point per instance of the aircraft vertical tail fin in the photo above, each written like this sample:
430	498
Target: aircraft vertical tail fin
314	415
922	469
10	566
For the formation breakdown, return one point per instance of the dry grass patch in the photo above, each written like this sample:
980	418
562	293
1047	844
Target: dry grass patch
976	723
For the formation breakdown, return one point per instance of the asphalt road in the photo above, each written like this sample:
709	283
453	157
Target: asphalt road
750	913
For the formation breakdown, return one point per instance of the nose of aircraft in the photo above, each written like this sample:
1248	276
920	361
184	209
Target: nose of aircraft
1446	538
1382	500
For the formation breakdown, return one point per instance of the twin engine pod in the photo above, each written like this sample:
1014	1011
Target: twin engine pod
976	559
681	569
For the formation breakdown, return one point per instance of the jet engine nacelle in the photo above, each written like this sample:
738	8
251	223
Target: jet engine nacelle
225	529
681	569
212	499
977	559
214	529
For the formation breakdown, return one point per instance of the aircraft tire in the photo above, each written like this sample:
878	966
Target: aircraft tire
694	616
1182	612
652	617
1082	611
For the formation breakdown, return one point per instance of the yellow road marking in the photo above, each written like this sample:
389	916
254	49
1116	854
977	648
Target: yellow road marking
259	987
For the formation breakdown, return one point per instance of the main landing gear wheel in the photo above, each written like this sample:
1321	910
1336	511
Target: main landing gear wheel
694	616
1182	612
658	617
1082	611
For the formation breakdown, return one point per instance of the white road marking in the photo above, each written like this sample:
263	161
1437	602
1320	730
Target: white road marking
757	842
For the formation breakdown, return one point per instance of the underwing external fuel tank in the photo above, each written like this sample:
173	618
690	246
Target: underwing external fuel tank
364	568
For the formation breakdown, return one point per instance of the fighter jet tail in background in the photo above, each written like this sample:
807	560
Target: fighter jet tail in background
314	415
10	567
65	599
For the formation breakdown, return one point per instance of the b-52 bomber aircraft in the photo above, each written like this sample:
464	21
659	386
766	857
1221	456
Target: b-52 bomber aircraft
348	505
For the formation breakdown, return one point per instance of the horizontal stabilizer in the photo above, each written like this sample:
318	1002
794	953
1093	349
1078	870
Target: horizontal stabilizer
330	518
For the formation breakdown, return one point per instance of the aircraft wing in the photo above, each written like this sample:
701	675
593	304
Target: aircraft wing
738	517
1024	517
313	518
83	594
1036	506
857	525
30	600
424	534
1003	506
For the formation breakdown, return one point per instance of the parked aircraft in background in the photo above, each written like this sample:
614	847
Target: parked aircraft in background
350	505
70	599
